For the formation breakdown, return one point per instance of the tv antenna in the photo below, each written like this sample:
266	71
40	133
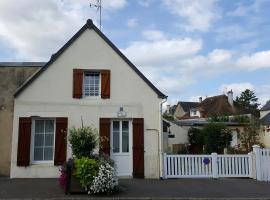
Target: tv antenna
97	5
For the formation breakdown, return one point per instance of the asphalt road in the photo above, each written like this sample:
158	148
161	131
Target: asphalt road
143	189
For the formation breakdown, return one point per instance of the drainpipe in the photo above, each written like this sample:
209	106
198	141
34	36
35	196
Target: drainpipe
161	141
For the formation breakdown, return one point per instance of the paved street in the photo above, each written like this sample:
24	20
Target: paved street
136	188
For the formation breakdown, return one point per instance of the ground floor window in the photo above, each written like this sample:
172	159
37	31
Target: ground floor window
43	134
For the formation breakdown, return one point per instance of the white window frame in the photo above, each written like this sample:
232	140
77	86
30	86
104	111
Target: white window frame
99	88
120	137
33	142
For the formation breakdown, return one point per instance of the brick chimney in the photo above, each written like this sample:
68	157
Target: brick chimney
200	99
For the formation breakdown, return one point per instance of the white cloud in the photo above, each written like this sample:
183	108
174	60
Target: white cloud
173	64
145	3
237	88
219	56
147	52
112	4
153	35
35	29
233	32
132	23
261	91
254	61
246	9
199	14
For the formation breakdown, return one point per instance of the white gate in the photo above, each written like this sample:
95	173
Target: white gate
214	165
262	163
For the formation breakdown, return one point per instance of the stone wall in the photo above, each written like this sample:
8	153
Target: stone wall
10	79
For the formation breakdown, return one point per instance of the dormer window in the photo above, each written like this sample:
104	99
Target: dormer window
91	84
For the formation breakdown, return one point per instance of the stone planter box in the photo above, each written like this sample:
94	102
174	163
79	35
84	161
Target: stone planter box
72	183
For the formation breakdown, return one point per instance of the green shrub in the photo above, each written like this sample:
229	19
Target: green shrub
86	170
195	136
83	141
216	137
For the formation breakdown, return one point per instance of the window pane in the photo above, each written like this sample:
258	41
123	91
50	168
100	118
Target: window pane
48	153
39	140
125	142
116	145
49	139
125	125
91	84
38	154
39	126
116	136
116	126
49	124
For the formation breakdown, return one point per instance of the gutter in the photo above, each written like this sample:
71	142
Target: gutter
161	171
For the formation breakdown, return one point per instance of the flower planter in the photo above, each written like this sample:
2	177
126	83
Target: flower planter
72	183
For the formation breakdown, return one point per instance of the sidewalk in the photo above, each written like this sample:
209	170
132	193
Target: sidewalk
142	189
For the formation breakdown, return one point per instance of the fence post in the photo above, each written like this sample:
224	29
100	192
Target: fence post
250	164
257	151
214	165
164	165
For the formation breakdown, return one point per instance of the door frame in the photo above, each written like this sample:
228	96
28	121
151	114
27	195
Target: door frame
130	153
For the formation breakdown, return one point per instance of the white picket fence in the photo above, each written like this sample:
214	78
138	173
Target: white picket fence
262	163
255	164
214	165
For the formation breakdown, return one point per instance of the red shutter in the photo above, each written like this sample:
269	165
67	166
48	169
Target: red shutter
105	84
60	153
77	83
104	133
138	148
24	141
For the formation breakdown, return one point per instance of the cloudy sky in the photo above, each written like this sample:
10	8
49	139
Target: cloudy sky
187	48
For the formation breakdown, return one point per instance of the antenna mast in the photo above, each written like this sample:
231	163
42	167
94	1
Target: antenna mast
98	5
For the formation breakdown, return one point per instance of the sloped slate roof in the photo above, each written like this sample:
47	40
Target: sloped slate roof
188	105
89	25
266	106
266	119
22	64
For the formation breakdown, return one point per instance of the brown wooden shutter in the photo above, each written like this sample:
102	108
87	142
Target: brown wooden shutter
138	148
77	83
104	133
24	141
105	84
60	152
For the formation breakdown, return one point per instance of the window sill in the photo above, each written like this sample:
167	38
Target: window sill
91	98
49	163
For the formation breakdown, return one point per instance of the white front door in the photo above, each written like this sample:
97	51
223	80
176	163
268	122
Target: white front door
121	146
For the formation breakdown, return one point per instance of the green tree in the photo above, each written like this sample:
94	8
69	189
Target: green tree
248	101
216	137
250	135
195	136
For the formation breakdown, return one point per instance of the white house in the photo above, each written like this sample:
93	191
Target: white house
87	78
265	120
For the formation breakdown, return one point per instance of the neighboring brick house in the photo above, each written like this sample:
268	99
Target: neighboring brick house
12	76
90	79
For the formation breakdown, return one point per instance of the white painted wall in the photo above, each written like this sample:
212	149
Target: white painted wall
180	134
51	96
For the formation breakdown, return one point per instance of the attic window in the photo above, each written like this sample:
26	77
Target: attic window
91	84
